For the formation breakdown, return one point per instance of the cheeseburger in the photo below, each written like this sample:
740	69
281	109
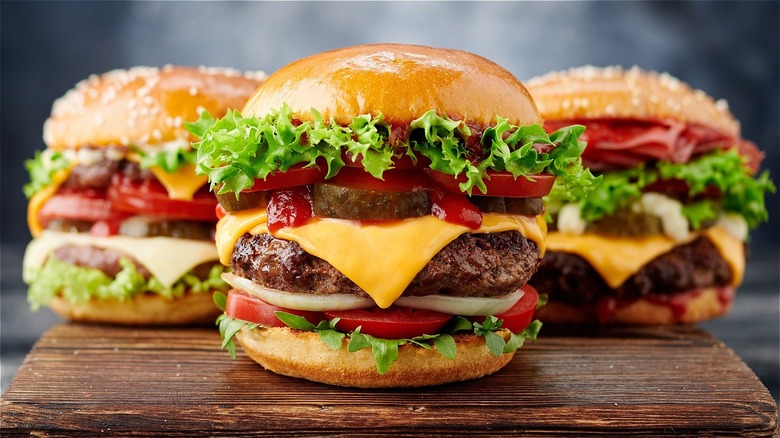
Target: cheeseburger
382	213
662	239
123	229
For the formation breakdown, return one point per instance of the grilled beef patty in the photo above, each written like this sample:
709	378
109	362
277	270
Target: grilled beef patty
473	265
568	278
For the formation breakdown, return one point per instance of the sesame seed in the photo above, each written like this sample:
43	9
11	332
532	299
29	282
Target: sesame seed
193	91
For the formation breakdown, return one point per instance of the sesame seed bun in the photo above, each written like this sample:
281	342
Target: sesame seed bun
700	305
143	309
143	105
400	81
612	92
302	354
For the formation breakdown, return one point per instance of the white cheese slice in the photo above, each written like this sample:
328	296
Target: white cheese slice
166	258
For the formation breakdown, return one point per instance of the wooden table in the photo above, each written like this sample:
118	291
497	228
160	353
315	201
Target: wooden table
151	381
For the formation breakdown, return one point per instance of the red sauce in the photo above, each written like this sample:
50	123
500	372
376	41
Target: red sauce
726	295
605	309
289	208
454	208
678	303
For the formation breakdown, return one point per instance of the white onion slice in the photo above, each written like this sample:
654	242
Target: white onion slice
313	302
466	306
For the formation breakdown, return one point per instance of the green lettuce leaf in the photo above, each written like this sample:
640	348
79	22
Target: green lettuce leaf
42	168
235	150
385	351
79	284
168	160
724	170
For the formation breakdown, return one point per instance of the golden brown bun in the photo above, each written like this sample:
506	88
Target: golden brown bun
702	305
302	354
143	105
144	309
612	92
400	81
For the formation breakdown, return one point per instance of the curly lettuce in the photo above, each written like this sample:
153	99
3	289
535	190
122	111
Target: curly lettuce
78	284
723	169
385	351
170	160
234	151
42	168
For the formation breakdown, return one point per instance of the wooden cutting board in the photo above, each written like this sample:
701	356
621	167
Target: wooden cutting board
99	380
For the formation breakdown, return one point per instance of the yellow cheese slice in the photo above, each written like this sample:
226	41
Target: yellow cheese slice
166	258
40	198
181	184
381	259
618	258
731	249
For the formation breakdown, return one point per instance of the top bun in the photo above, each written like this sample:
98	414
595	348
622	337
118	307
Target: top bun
143	105
400	81
612	92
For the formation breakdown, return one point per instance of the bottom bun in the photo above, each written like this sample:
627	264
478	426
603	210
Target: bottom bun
302	354
143	309
683	308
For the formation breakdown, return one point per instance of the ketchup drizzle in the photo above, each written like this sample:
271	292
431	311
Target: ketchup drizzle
454	208
289	208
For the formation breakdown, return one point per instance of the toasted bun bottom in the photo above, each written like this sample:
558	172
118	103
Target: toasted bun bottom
302	354
699	305
144	309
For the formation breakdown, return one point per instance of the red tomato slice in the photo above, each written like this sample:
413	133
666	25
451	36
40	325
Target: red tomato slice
392	323
393	180
293	177
500	184
519	316
252	309
150	197
87	205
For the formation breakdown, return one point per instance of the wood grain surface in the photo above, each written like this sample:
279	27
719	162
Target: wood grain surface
97	380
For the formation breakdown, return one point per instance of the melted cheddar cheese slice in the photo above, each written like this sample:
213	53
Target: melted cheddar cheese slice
181	184
381	259
618	258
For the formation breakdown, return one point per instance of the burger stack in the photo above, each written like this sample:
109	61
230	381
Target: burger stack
662	239
122	227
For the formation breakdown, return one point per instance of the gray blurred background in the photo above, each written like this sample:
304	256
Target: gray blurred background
729	49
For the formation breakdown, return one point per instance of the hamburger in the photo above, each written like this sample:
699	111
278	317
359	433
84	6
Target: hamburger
122	227
662	239
381	214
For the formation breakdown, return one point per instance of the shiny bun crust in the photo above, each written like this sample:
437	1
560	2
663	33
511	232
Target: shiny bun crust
701	307
400	81
143	105
612	92
145	309
302	354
